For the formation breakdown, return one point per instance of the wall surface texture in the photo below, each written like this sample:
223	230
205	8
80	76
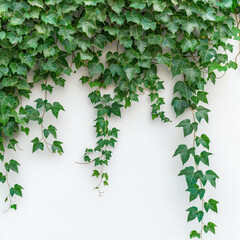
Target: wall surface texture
145	199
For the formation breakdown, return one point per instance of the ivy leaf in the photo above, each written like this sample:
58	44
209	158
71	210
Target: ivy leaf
195	234
20	69
100	41
12	165
87	26
56	107
184	152
50	130
50	18
202	113
17	189
116	109
179	105
211	177
95	68
192	213
195	192
203	140
3	70
183	88
148	24
192	74
116	5
12	143
188	127
164	59
206	53
209	227
211	204
133	16
37	144
191	176
188	44
22	85
95	173
209	14
177	65
56	147
37	3
9	82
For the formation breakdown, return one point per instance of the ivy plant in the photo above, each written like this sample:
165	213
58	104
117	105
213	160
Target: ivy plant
189	37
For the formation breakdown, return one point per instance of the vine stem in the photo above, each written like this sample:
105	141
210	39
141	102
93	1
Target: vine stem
9	197
194	144
43	114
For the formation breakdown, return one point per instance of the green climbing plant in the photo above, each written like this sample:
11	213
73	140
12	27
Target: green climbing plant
189	37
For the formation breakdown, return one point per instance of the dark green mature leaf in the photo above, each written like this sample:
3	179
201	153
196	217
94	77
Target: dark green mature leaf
37	144
17	189
183	88
56	147
209	227
95	68
184	152
50	130
211	177
211	204
203	140
202	113
192	213
179	105
56	107
187	126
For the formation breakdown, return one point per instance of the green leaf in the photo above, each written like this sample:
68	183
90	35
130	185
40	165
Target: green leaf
56	107
202	113
9	82
211	204
203	140
37	144
184	152
2	35
87	26
183	88
211	177
100	41
50	130
133	16
164	59
95	68
192	213
188	44
179	105
56	147
12	143
116	5
37	3
116	109
209	227
12	165
17	189
177	65
195	234
188	127
148	24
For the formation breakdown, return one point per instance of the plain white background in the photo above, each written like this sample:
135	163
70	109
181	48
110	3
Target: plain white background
145	199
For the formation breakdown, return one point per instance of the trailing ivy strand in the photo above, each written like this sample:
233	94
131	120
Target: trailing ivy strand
189	37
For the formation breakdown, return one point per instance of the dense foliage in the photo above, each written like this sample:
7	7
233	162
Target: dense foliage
189	37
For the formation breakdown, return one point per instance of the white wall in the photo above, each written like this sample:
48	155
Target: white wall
145	200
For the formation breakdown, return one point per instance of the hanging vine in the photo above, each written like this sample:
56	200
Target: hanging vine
189	37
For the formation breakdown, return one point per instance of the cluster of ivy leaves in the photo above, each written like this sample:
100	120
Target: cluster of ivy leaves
187	36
